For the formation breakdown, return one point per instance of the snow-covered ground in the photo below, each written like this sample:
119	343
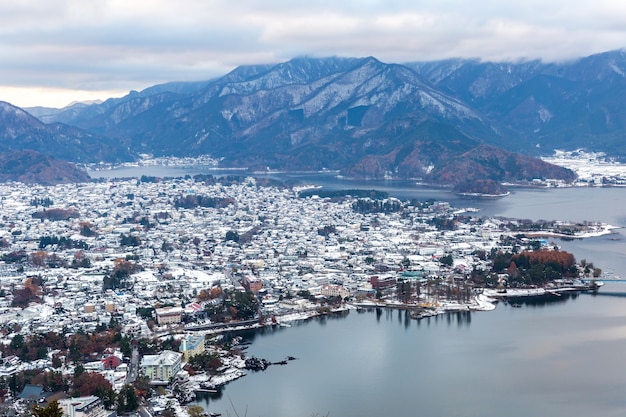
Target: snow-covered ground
484	303
515	292
601	229
591	167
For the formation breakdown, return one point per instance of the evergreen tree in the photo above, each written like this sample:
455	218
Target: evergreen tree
127	399
51	410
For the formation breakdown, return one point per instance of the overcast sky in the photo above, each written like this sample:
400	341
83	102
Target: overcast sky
56	51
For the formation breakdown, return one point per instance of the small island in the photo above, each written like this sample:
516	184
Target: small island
481	188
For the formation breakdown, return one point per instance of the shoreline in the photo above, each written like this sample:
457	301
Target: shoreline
234	367
605	229
209	164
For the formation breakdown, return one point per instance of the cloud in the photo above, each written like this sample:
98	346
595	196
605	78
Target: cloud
114	45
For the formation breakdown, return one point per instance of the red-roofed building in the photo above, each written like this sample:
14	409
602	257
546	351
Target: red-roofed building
111	362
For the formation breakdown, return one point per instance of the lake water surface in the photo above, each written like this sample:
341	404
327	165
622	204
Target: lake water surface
558	359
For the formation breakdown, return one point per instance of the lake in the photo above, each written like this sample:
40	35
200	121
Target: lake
552	359
561	358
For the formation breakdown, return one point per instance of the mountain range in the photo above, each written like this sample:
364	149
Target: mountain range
443	122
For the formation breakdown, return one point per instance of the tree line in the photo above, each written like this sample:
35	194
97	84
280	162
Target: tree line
62	242
377	206
192	201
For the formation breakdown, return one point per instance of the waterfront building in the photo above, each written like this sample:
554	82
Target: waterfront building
191	345
382	283
330	290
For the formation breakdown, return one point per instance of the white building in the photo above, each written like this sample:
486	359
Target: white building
334	291
169	315
83	407
163	366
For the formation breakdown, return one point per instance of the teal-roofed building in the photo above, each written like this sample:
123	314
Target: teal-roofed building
191	345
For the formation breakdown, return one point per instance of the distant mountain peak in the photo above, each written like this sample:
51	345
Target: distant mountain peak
9	110
366	117
84	103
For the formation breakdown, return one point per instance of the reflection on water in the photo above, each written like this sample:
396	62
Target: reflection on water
462	318
611	294
558	356
539	302
204	398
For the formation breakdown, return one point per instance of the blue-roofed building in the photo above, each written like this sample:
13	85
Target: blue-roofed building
32	393
191	345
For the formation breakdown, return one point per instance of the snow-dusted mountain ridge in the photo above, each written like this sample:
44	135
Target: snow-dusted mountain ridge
370	118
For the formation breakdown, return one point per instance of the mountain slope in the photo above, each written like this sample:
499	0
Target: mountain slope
33	167
577	104
20	131
279	116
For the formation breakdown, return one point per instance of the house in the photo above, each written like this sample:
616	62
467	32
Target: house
330	290
382	283
252	284
111	362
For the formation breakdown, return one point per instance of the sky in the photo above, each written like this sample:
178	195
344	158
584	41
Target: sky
54	52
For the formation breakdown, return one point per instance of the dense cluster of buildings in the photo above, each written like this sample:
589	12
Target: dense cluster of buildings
279	245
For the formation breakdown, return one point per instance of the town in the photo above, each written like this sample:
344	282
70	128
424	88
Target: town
116	293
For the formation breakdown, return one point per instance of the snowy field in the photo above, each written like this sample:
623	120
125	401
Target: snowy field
590	167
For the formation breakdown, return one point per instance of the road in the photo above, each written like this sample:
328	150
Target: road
133	367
